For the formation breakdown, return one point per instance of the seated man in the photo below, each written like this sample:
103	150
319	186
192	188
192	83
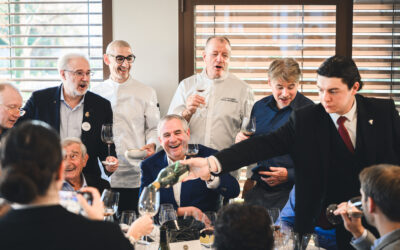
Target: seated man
243	227
10	106
191	197
75	159
326	237
380	192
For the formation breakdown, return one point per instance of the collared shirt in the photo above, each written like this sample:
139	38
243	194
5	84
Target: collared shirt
382	238
177	187
217	124
268	119
68	187
135	118
70	118
351	122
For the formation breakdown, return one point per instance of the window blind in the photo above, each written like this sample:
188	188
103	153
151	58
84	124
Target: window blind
33	34
376	47
261	33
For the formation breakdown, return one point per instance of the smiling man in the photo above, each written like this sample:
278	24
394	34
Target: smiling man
10	106
330	143
136	114
75	159
76	112
213	102
273	178
192	197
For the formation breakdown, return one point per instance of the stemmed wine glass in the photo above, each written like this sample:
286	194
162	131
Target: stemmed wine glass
354	210
248	126
201	90
207	234
149	203
192	150
107	137
110	200
127	218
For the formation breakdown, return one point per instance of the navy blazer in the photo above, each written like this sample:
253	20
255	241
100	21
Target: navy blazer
44	105
194	192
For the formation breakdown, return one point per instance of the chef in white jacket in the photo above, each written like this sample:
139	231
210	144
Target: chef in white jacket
135	118
215	101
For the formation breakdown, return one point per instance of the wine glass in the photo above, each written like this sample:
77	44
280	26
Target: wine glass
192	150
248	126
354	210
110	200
167	215
207	234
107	137
149	203
201	90
127	218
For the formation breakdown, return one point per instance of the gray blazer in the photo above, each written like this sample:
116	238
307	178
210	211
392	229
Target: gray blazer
391	242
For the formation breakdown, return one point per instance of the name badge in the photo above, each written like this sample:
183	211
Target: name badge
86	126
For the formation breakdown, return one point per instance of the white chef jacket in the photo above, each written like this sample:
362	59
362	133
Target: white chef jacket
135	118
217	124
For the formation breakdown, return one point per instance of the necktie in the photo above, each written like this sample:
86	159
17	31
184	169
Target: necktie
344	133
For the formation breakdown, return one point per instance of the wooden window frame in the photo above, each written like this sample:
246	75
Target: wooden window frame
107	32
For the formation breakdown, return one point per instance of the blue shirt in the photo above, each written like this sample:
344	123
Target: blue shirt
326	238
70	118
268	119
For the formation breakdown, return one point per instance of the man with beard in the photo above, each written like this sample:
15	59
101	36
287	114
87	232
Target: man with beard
380	192
76	112
215	101
75	159
136	115
10	107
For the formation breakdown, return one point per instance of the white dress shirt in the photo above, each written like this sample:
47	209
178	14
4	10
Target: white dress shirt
135	118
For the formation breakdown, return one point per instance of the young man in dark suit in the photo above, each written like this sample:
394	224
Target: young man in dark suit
193	197
328	156
76	112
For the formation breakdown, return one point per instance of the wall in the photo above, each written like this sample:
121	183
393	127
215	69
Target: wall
151	27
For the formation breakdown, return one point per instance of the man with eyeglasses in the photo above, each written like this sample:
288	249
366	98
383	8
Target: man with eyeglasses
10	107
76	112
136	115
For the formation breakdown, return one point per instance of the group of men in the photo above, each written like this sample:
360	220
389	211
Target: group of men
78	114
316	146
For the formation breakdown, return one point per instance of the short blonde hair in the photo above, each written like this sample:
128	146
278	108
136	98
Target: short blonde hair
285	69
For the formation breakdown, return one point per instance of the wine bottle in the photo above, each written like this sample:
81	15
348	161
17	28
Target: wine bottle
170	175
163	240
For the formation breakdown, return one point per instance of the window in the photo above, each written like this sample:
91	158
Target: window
35	33
376	48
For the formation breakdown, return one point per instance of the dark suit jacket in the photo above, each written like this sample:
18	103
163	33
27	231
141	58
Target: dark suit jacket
97	182
44	105
53	227
307	137
193	193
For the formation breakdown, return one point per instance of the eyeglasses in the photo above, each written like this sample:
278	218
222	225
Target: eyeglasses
14	109
120	59
81	73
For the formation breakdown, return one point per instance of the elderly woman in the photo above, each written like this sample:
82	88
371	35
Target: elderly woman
32	174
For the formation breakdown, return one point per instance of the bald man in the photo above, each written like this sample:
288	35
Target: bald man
10	106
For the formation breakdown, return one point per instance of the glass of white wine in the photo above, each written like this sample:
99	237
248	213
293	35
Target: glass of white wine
149	203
